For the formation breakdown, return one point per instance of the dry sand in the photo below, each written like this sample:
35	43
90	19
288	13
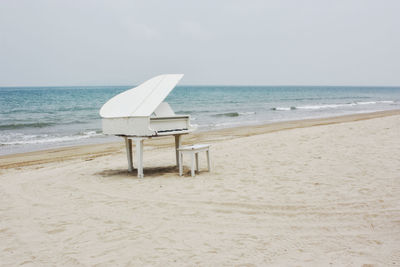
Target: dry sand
311	193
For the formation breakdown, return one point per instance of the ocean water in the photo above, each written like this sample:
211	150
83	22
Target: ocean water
47	117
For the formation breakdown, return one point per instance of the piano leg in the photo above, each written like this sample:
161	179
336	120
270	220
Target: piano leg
180	164
139	156
128	145
177	145
197	161
208	160
193	173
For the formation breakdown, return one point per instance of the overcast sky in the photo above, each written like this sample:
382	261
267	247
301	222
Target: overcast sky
282	42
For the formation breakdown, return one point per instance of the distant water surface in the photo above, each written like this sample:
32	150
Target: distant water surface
47	117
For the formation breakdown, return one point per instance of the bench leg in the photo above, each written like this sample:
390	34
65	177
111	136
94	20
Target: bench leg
197	161
180	163
192	167
208	160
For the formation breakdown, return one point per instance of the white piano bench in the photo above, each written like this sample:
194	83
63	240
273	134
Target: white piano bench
194	153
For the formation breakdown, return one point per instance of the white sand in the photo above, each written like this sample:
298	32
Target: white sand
308	196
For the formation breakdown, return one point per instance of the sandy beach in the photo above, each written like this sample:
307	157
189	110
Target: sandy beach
316	192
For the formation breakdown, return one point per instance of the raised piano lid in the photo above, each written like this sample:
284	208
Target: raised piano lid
142	100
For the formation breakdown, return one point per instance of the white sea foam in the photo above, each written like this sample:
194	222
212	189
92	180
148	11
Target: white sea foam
20	139
327	106
366	103
332	106
282	109
247	113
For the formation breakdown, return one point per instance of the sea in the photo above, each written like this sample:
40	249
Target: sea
38	118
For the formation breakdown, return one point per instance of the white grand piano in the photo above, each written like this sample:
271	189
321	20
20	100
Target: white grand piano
140	113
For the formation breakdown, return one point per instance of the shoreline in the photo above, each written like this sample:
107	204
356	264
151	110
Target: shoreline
91	151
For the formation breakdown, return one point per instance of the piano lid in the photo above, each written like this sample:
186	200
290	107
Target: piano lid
142	100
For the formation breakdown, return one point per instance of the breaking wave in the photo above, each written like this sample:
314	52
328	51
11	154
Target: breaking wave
25	125
283	108
22	139
233	114
330	106
14	126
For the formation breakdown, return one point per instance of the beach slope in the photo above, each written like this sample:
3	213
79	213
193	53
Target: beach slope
301	193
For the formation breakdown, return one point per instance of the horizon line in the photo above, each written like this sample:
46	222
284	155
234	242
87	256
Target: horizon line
198	85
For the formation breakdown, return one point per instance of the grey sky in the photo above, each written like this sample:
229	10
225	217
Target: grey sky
282	42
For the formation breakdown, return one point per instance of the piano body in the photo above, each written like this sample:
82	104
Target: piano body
140	113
